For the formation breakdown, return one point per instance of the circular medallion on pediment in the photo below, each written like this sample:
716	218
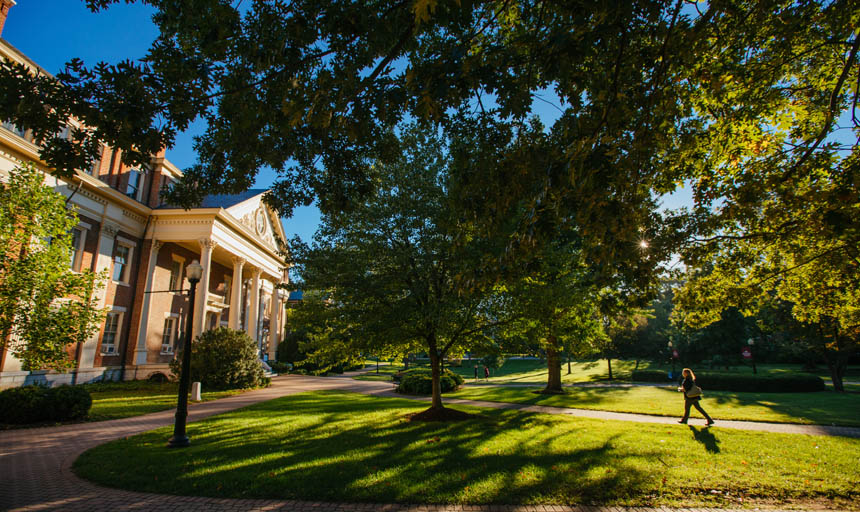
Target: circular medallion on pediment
260	222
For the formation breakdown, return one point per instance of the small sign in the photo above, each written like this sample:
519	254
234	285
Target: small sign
747	353
675	353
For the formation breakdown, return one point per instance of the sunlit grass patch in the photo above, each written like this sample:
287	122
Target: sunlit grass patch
330	446
134	398
825	407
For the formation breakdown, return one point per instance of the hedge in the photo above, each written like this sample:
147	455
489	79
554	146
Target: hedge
742	382
420	382
37	404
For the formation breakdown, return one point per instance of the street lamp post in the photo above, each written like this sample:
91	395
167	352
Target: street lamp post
672	356
750	342
179	439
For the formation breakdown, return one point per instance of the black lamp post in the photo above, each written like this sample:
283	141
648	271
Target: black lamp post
179	439
672	357
750	343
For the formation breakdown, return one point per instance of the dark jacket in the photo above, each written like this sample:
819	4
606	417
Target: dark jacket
688	385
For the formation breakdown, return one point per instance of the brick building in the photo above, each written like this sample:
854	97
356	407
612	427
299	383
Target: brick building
145	245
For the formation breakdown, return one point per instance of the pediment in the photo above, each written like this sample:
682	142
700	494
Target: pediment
261	220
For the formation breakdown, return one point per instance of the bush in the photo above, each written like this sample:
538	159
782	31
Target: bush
742	382
420	382
36	404
224	359
279	367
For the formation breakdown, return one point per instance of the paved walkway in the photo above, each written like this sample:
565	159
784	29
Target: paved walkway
35	464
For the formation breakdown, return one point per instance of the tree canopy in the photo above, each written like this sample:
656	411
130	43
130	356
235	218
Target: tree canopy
394	273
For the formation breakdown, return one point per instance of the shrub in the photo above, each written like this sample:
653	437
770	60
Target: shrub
36	404
742	382
224	359
279	367
420	382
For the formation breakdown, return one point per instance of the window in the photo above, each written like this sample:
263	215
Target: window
12	127
168	335
112	322
76	249
227	289
133	189
121	259
175	275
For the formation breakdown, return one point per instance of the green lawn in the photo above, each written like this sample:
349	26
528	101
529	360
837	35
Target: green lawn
331	446
533	371
812	408
112	400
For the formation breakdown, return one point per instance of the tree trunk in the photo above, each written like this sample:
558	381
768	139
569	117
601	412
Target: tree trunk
568	364
609	365
637	365
435	372
553	365
837	372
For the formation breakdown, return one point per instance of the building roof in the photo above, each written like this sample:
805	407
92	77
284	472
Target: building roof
223	200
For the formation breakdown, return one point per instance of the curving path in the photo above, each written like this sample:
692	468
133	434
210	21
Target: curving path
35	464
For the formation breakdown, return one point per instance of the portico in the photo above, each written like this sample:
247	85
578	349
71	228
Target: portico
233	238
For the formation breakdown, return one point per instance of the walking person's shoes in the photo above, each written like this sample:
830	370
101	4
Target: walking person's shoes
682	422
710	422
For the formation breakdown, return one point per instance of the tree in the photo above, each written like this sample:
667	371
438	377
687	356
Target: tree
313	89
44	305
816	277
396	271
777	183
554	305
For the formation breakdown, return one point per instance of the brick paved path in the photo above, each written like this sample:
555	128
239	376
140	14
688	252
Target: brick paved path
35	464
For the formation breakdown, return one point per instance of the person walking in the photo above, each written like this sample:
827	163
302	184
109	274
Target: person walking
692	395
486	373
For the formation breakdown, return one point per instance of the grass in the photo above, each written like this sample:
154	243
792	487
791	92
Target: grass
533	371
112	400
331	446
822	408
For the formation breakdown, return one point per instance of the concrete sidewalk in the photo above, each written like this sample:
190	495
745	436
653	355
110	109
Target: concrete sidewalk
35	463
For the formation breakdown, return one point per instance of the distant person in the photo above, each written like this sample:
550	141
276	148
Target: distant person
476	372
486	373
688	387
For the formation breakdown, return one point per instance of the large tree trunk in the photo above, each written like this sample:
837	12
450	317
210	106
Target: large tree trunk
837	366
568	363
553	366
609	366
435	372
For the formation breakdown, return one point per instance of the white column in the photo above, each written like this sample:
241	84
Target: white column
103	263
274	317
236	293
140	351
254	307
202	298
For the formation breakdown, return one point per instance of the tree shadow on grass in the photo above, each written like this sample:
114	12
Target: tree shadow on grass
706	436
361	449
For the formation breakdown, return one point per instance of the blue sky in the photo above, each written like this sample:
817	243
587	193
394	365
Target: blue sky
51	32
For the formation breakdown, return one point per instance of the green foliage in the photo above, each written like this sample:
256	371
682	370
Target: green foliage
397	275
36	404
279	367
742	382
288	349
223	358
420	382
493	361
44	305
